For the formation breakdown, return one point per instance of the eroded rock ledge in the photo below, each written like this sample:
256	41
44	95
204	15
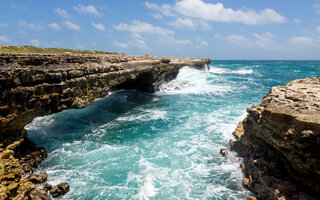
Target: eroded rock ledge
33	85
279	141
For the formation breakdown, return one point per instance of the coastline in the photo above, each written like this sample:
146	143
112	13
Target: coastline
40	84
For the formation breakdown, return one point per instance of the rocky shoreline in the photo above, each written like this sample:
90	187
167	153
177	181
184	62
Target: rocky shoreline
279	142
35	85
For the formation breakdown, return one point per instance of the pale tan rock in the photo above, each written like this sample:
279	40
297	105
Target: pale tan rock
280	142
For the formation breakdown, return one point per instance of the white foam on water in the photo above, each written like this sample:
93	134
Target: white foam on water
217	70
193	81
144	115
40	122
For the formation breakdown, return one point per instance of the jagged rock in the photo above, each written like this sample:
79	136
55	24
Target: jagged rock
38	194
224	152
59	190
279	141
47	186
38	178
251	198
165	60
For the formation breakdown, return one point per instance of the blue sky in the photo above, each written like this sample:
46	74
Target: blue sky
233	29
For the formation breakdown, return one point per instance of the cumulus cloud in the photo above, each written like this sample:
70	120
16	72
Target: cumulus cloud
72	26
138	42
54	26
165	9
183	23
264	40
121	45
98	26
62	13
302	42
142	27
34	26
318	29
89	9
217	12
4	39
3	25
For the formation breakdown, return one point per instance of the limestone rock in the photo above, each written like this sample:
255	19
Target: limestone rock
165	60
279	141
251	198
223	152
59	190
38	178
38	194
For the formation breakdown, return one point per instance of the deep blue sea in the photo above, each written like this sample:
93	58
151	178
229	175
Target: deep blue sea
136	145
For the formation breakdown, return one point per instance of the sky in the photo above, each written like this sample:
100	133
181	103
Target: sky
223	29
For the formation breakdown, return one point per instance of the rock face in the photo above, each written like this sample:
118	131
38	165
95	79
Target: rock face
33	85
279	141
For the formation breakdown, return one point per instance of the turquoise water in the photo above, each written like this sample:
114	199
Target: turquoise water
136	145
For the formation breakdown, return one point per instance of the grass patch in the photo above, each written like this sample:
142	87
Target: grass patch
32	49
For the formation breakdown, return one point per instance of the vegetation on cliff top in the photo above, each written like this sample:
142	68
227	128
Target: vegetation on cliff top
32	49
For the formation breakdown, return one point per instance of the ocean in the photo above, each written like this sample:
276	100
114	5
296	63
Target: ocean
137	145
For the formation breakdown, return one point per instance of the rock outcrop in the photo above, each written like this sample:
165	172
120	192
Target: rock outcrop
33	85
279	141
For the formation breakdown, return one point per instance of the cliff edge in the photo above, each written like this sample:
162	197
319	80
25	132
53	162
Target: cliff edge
279	141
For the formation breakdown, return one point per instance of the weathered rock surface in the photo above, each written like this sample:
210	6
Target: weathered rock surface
59	189
33	85
279	141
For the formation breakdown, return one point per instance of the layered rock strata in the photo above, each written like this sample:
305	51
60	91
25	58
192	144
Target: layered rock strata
33	85
279	141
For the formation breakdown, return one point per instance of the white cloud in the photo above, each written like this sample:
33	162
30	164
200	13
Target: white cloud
201	43
205	26
138	42
157	16
121	45
142	27
4	39
240	40
318	29
172	41
183	23
54	26
302	42
165	9
264	40
34	26
217	12
62	13
72	26
35	43
90	9
99	26
296	20
3	25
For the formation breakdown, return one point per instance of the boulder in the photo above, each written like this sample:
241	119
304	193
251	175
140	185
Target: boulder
59	189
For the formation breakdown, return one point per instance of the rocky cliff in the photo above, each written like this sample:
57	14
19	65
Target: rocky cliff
35	85
279	141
